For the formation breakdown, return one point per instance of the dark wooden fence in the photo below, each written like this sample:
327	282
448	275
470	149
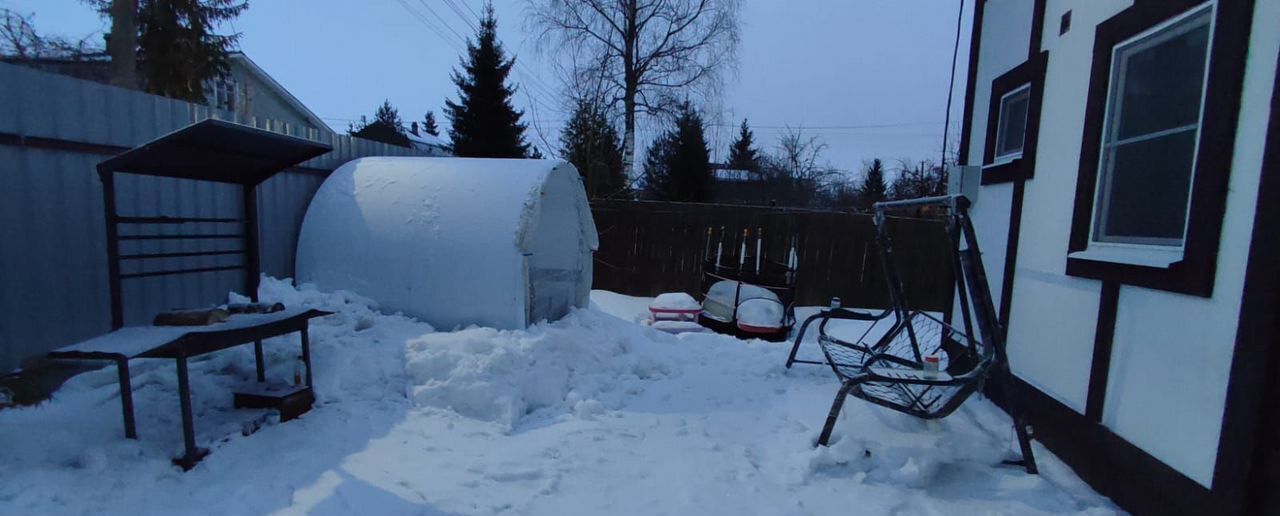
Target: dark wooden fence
647	248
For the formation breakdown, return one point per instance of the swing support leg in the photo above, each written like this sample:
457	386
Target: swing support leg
835	413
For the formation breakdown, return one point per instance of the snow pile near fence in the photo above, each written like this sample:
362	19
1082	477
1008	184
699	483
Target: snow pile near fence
592	414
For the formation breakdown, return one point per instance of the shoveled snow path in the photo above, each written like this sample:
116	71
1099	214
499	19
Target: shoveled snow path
590	415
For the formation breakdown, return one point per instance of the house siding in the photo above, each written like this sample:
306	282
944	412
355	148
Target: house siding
265	102
1171	354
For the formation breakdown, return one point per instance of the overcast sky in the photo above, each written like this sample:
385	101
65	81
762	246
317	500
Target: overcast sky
869	77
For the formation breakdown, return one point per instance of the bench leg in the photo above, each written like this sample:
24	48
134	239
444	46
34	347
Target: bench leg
306	352
126	397
835	413
193	454
257	356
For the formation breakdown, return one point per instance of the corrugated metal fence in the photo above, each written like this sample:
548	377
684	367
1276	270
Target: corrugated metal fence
53	269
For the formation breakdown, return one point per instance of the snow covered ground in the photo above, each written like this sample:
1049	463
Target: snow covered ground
593	414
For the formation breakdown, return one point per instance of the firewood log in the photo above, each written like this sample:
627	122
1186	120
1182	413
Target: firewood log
255	308
198	317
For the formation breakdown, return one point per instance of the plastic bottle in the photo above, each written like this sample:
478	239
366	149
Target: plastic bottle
297	372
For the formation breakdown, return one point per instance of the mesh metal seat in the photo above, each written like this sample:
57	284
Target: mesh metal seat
885	365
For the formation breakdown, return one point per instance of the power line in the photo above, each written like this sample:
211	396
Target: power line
453	5
427	23
442	20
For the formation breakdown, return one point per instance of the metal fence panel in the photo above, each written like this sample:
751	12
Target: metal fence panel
53	269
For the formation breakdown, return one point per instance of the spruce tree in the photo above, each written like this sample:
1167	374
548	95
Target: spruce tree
678	167
483	121
429	124
178	52
873	188
389	115
742	154
657	174
593	146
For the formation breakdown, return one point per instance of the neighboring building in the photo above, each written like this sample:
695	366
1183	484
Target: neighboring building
247	90
90	67
414	139
432	145
1128	213
738	186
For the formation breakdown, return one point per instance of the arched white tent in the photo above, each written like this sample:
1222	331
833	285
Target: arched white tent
501	243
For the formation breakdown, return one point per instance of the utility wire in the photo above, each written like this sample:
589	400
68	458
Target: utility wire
951	85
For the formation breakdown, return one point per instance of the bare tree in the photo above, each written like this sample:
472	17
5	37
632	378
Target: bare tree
796	169
645	55
18	38
918	179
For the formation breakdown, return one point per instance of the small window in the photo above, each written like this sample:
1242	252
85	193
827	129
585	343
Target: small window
1151	133
226	93
1012	130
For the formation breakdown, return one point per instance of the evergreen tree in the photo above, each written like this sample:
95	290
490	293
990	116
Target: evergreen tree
592	145
657	174
873	188
483	121
742	154
678	167
178	52
389	115
430	124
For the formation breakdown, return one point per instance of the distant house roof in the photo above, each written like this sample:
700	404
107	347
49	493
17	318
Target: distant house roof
382	132
90	67
292	101
426	140
734	174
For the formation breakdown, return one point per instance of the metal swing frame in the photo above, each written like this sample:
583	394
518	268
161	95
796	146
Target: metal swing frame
888	370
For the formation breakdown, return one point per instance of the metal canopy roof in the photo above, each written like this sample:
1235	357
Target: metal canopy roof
216	150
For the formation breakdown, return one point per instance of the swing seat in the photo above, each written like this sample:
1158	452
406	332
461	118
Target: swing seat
890	372
886	364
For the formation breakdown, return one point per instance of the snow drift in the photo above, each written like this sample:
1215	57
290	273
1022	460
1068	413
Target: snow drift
501	243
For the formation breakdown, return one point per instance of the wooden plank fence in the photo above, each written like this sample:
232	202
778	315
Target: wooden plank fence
647	248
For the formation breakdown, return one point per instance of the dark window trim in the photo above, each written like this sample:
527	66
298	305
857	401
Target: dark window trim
1030	72
1193	275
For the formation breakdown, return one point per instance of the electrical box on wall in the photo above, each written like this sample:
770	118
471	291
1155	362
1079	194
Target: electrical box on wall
964	180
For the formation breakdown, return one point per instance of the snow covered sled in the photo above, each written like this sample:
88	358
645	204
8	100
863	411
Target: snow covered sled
748	295
674	312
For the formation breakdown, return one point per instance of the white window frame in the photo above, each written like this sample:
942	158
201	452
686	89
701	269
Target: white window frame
1151	253
997	158
227	88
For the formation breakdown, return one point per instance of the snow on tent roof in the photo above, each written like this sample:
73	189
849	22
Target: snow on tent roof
453	241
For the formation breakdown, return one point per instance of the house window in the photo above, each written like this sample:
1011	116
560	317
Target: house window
1151	133
1012	129
226	93
1156	153
1013	119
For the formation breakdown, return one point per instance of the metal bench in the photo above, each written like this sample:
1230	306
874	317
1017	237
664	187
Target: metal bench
183	342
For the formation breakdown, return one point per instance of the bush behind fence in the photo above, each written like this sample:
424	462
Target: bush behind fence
647	248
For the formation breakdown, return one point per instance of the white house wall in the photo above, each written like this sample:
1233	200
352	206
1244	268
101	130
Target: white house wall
1053	317
1006	35
1171	355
